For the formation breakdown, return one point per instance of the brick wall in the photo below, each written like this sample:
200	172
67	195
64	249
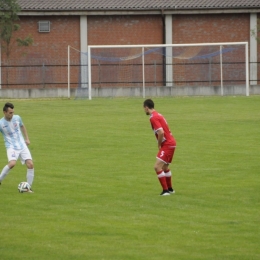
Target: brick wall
115	30
51	48
48	50
210	28
51	45
124	30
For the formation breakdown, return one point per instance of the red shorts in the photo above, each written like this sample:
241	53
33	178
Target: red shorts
165	154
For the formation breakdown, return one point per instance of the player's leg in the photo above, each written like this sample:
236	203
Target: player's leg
12	156
26	158
169	155
168	176
7	169
30	171
158	167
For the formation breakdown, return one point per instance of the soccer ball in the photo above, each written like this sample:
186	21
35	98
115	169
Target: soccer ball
24	187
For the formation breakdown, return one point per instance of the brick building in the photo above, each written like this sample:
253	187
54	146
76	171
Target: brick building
56	24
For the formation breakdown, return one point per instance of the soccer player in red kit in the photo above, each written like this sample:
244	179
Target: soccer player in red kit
166	146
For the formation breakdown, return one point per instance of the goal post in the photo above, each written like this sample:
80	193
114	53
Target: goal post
145	70
77	72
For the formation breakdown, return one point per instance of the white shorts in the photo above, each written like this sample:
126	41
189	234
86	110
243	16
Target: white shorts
14	155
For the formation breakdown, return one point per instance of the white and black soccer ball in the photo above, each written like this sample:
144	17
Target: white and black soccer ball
24	187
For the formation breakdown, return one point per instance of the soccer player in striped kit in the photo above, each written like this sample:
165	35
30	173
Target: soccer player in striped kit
16	141
166	146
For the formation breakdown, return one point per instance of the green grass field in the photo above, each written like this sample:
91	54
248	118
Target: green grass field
97	195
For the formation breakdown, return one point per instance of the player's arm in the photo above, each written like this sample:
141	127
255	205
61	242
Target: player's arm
159	131
25	135
160	134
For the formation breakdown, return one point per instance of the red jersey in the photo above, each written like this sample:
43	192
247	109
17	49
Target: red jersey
159	122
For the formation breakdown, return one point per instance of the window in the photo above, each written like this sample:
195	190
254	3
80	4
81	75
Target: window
44	26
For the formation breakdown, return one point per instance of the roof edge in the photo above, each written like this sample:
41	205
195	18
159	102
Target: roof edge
135	12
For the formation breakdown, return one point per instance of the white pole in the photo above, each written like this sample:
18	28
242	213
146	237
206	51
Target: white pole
83	50
143	72
253	50
68	71
169	45
221	72
89	73
247	70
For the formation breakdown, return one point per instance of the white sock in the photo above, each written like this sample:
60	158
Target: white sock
30	176
4	172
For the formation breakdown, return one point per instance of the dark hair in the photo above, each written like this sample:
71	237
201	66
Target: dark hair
8	105
149	103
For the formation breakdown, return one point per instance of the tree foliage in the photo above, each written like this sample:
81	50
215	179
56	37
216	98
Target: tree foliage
9	24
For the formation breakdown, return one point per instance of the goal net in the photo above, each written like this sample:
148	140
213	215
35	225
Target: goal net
176	69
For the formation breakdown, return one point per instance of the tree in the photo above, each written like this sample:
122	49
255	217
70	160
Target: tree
8	25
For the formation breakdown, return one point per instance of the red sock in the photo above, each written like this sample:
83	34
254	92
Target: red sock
168	176
162	180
